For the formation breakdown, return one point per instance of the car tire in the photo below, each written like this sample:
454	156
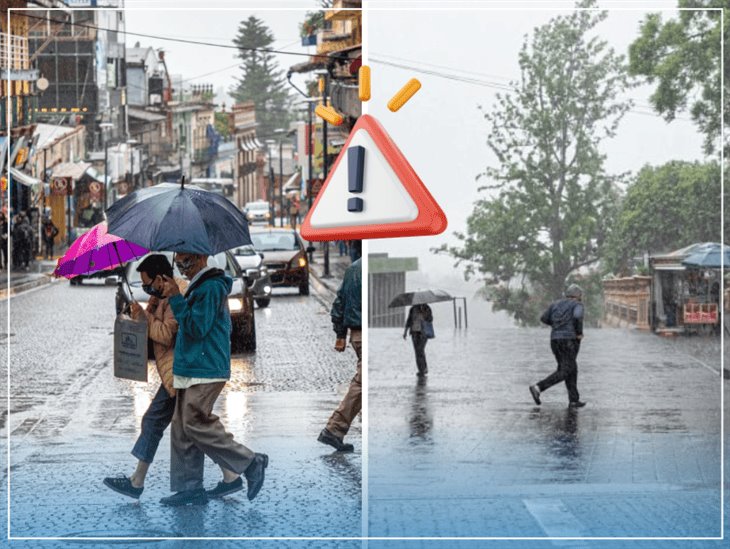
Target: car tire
304	287
249	339
263	302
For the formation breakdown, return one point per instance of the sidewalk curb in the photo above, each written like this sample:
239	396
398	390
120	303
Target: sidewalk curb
47	278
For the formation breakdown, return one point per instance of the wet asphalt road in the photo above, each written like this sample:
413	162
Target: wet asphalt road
72	423
468	453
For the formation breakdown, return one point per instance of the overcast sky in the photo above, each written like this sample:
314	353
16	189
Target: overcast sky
440	130
444	135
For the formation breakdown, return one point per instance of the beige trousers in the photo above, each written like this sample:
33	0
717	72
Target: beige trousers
196	433
340	421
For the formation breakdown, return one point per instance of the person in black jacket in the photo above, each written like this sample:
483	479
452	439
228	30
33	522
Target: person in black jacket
416	318
50	231
565	317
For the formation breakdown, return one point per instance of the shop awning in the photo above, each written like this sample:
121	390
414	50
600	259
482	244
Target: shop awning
24	178
74	170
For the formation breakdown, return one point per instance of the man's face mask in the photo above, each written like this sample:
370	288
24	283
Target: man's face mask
150	289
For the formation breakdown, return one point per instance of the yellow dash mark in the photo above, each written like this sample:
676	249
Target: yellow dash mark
329	114
364	78
405	93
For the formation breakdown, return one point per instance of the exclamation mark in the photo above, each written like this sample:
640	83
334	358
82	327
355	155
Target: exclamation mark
355	173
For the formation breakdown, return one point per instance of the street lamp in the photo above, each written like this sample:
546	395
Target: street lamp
323	89
279	132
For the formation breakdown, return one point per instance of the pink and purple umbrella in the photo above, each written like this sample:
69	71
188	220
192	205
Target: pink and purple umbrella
96	250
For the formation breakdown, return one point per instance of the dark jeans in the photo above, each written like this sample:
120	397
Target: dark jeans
566	352
154	422
49	249
419	345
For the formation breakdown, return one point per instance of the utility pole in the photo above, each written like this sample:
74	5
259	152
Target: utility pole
325	90
281	183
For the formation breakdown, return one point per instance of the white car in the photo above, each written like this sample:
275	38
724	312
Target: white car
257	212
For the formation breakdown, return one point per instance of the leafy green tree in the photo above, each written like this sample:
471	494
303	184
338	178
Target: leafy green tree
665	208
554	200
682	56
262	81
222	124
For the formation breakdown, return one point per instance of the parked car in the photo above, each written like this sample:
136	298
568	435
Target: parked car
284	256
240	298
256	273
257	212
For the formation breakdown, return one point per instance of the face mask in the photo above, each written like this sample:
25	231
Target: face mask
149	289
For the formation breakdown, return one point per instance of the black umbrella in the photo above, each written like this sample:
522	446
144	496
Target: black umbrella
419	297
176	218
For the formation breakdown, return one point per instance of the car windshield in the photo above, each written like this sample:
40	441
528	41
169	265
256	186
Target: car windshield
244	250
257	206
274	241
220	261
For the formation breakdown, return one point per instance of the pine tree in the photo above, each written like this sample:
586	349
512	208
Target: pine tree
262	81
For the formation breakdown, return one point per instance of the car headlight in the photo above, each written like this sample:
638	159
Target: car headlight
142	304
267	215
250	216
235	304
302	261
263	270
267	289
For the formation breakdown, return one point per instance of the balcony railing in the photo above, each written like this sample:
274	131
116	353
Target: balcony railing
15	58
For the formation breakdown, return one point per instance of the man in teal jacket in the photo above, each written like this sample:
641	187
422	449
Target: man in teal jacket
346	314
201	367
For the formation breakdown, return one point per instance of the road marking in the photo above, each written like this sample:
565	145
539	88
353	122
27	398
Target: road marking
703	364
556	520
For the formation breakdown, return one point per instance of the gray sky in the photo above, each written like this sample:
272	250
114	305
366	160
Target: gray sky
443	134
217	23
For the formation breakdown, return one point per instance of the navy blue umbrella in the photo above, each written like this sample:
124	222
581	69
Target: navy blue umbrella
179	218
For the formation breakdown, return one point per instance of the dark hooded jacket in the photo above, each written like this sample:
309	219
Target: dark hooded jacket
346	310
565	317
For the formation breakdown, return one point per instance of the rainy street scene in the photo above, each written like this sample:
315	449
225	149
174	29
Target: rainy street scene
550	367
182	363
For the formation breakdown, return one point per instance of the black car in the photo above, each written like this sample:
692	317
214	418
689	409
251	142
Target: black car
240	299
285	257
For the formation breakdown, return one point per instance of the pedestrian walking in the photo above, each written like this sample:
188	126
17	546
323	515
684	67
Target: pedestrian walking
342	247
161	330
293	211
419	323
201	367
22	242
50	231
565	317
346	315
3	241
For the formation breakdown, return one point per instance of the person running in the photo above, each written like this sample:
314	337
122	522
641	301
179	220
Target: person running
565	317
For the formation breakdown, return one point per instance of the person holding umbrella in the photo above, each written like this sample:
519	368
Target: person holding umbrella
195	224
201	368
419	323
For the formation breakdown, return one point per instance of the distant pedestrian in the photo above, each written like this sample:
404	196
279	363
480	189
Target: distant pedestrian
3	241
50	231
342	247
419	322
346	314
294	211
201	368
22	243
565	317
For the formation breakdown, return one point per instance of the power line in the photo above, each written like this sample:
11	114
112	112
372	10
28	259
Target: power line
171	39
487	83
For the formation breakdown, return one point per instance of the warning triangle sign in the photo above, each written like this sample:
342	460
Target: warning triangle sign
372	192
